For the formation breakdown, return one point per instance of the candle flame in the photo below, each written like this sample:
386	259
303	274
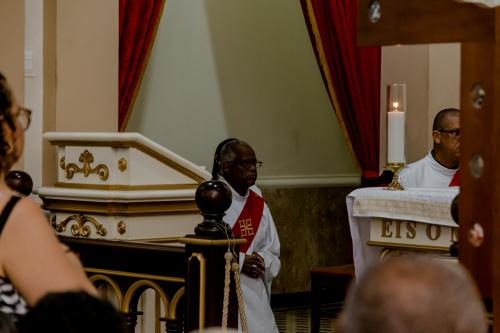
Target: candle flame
395	104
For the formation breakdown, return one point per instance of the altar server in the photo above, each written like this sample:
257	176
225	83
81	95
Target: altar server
440	167
249	217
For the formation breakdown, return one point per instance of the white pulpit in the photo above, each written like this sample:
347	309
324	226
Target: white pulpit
417	220
121	186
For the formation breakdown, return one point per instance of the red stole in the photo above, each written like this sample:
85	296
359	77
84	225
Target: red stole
248	222
455	181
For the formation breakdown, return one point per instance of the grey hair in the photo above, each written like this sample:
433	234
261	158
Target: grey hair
227	153
413	294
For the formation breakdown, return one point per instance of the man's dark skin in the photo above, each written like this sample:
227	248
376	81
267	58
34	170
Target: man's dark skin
241	173
446	149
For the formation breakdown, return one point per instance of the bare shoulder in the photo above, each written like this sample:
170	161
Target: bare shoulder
26	217
27	205
29	247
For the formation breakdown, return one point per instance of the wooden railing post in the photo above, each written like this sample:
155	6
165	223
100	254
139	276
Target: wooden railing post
205	260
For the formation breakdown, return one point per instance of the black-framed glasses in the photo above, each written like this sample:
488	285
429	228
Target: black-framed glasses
247	163
24	118
455	132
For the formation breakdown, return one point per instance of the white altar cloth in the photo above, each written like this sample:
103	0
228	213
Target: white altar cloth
425	205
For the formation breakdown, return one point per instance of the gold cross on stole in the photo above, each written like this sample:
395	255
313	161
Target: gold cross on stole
246	227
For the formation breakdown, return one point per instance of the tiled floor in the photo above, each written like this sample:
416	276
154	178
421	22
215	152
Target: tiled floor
299	320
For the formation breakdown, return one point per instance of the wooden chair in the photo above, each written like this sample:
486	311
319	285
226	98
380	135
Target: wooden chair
331	281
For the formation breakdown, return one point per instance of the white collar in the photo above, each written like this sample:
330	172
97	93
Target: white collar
233	191
438	166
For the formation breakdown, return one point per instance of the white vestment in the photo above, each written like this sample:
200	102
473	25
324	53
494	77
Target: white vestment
426	172
257	292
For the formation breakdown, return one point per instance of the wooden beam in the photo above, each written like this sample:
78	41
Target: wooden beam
476	192
424	21
480	194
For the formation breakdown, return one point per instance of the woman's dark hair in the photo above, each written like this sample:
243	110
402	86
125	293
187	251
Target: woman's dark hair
7	159
7	323
72	312
217	164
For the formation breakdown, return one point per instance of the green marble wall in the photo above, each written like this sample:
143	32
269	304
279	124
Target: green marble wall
314	231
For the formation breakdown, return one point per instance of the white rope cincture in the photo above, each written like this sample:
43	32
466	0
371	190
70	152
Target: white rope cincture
227	279
241	306
232	264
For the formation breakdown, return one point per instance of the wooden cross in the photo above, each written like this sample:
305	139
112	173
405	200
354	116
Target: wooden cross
478	29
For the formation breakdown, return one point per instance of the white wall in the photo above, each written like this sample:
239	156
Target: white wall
12	37
432	75
75	87
444	81
33	88
87	65
244	69
11	54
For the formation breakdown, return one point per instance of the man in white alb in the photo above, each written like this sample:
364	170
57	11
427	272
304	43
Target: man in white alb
249	217
440	167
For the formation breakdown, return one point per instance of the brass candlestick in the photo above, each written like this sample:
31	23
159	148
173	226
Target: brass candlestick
395	185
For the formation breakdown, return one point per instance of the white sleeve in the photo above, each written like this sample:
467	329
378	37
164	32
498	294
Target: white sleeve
269	247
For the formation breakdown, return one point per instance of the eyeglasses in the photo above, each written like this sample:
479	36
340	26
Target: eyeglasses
24	118
453	132
247	163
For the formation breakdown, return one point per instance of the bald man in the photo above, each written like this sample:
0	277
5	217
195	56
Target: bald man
413	294
440	167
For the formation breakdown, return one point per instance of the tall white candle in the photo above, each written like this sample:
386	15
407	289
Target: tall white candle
396	136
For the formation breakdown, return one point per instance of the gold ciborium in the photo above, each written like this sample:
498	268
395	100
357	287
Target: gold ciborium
395	168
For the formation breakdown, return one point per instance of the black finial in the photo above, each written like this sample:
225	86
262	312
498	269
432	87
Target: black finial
454	208
213	197
20	182
454	215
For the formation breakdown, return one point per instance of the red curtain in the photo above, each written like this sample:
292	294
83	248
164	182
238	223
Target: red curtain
139	20
351	74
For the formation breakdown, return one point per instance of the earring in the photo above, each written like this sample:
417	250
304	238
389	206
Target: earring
11	146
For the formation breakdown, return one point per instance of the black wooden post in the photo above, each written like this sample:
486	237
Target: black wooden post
205	260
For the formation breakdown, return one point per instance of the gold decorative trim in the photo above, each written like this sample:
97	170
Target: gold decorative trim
62	162
130	144
134	275
158	313
79	229
201	315
161	240
192	241
86	158
126	187
127	300
122	164
121	227
211	242
120	208
172	312
409	246
116	289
